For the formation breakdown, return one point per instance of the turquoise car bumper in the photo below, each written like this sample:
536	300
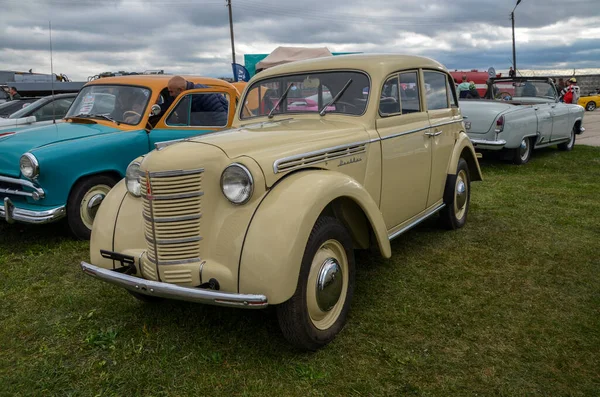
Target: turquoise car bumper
12	214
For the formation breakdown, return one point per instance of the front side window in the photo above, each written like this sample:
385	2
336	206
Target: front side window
436	95
308	93
205	109
124	104
389	103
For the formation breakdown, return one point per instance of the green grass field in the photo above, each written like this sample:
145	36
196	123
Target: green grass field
507	306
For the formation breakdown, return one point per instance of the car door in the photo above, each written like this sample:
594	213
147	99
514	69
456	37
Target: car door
406	148
186	117
445	123
561	125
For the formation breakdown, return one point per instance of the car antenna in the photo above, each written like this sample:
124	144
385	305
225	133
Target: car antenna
52	76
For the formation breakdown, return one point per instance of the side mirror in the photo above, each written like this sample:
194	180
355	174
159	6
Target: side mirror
31	119
155	110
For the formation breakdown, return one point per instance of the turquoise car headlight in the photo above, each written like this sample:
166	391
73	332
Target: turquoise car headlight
132	179
30	168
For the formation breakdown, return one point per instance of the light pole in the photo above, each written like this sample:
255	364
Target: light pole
231	30
512	18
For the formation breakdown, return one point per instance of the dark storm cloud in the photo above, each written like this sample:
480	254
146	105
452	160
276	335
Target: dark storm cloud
193	36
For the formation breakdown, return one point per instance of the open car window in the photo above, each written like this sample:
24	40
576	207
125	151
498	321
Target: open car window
205	109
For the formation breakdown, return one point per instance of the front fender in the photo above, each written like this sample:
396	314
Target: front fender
464	148
277	236
62	164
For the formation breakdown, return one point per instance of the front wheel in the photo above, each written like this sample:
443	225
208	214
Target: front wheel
522	154
591	106
568	146
317	311
457	197
84	201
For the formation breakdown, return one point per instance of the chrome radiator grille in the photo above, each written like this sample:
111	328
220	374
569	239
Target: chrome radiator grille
172	210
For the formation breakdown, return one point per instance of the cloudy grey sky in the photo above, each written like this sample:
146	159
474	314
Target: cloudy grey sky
192	36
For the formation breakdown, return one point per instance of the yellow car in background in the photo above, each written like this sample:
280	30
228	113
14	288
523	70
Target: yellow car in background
589	102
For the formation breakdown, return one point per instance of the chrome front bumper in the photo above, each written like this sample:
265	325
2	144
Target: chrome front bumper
172	291
486	144
11	214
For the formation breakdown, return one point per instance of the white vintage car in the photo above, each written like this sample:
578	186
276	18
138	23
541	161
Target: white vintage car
520	114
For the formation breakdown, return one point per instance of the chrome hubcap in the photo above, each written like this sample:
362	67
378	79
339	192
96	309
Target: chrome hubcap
329	284
91	202
95	201
461	194
524	149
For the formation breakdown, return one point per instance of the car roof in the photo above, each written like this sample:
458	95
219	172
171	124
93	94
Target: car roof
158	81
376	65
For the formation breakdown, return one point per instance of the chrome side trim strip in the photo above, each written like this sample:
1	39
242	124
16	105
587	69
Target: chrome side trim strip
173	218
447	122
165	174
174	241
277	164
21	182
173	196
404	133
173	291
416	221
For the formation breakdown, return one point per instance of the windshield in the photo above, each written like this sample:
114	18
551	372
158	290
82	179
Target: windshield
123	104
308	93
524	90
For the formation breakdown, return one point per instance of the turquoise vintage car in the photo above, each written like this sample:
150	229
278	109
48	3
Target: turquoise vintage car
66	169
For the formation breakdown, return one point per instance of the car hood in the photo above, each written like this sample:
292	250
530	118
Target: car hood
271	141
12	147
482	114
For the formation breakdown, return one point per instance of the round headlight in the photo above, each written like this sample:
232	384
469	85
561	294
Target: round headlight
237	183
29	165
132	179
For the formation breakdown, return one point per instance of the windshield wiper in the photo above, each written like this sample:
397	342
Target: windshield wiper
335	98
270	115
102	116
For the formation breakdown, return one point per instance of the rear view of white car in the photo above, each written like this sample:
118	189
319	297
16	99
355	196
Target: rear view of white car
520	114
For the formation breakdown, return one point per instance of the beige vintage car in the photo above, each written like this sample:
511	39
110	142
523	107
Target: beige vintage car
343	153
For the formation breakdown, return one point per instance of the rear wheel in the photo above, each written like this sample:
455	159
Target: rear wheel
84	201
567	146
590	106
457	197
317	311
522	154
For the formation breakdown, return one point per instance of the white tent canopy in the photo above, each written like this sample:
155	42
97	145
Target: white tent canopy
282	55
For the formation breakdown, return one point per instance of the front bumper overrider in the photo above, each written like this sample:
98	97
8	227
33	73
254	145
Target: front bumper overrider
173	291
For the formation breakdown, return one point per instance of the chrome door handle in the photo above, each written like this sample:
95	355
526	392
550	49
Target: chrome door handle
436	133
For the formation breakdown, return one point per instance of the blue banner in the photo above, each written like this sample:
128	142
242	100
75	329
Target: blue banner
240	73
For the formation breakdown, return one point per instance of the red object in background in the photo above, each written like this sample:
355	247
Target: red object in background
479	78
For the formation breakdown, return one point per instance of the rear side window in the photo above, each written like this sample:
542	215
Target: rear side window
436	90
200	110
409	93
